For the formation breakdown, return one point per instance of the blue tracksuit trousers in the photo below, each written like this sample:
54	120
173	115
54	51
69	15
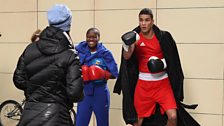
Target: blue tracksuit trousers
99	103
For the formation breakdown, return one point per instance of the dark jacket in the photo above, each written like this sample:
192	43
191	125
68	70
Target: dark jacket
128	75
49	73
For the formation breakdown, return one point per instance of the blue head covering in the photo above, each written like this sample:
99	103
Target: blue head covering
60	16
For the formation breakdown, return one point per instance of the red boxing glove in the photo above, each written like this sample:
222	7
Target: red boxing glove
85	73
97	73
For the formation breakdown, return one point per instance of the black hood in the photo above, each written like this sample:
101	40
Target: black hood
52	41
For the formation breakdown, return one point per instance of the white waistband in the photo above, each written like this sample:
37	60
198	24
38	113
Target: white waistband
153	76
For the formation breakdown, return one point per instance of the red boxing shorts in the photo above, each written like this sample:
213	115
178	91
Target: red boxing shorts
148	93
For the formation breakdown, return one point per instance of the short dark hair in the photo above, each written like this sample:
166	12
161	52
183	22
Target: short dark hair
146	11
96	30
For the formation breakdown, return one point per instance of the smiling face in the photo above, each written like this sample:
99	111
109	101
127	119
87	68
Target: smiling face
92	38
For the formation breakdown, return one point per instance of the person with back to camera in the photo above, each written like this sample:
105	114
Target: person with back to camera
151	77
49	72
98	65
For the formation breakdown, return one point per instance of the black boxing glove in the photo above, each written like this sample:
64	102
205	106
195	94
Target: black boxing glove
156	65
129	38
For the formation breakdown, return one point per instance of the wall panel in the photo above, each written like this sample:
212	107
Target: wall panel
189	3
9	56
17	27
8	90
44	5
202	60
193	25
208	94
18	5
124	4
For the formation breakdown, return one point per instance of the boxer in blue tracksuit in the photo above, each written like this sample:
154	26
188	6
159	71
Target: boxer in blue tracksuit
98	65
